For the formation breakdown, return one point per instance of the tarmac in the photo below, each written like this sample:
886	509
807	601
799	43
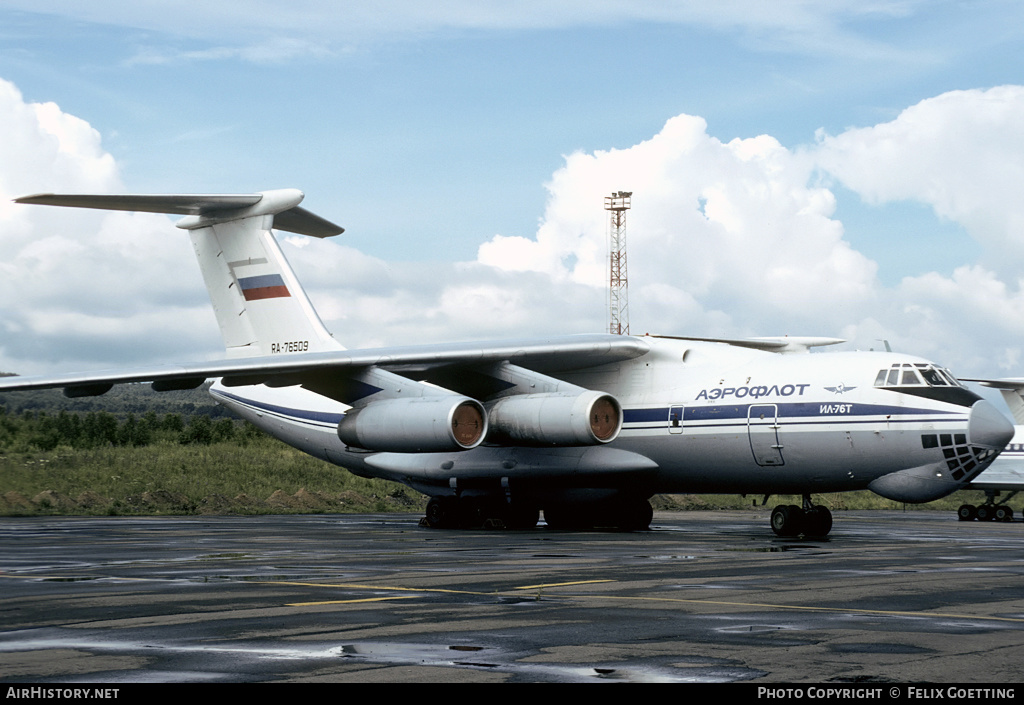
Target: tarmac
703	597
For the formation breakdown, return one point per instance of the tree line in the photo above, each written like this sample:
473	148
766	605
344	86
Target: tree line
47	430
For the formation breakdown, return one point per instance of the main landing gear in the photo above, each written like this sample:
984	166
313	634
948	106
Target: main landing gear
989	511
789	520
456	513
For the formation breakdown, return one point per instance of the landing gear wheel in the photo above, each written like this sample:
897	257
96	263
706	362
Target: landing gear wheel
967	512
788	520
985	513
1003	513
442	513
817	521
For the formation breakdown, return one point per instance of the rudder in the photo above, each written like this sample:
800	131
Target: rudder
260	306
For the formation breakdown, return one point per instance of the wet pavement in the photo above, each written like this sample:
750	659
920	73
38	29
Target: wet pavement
702	597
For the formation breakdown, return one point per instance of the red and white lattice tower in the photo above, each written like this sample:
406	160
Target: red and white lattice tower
618	288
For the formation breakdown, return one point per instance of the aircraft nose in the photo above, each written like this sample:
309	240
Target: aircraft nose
988	427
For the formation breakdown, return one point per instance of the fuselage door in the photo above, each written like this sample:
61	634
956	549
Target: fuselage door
675	419
763	430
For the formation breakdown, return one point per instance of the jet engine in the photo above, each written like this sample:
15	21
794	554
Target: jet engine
587	418
418	425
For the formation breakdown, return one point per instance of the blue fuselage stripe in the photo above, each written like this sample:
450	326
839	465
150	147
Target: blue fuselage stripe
319	418
791	411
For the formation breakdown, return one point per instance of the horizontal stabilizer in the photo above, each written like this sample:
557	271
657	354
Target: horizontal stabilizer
302	222
204	208
164	203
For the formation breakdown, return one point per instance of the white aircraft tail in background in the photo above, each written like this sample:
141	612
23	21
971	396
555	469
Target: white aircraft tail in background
1006	474
584	428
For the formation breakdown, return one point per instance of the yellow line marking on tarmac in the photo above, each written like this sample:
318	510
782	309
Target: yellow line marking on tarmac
575	582
347	602
392	588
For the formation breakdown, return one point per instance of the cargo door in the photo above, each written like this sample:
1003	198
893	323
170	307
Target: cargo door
763	431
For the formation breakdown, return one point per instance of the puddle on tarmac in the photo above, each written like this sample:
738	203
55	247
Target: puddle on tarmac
491	658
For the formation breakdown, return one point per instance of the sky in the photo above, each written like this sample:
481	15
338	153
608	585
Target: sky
842	168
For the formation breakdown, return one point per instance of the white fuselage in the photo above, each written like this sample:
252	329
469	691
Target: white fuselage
697	417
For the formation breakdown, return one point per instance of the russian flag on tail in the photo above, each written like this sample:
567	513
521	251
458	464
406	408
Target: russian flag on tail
264	286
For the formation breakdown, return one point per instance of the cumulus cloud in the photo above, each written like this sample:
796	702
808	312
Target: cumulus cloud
76	286
959	153
962	154
732	225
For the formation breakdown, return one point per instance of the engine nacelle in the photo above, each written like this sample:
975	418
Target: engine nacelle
419	425
587	418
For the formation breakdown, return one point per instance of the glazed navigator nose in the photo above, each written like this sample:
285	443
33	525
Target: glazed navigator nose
987	427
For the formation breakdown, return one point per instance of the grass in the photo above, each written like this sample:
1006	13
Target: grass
264	477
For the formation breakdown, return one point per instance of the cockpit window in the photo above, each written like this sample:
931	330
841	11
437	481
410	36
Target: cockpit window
919	374
933	378
924	380
910	378
949	375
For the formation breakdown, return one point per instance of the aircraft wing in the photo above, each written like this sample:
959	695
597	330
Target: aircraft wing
1003	383
778	344
551	354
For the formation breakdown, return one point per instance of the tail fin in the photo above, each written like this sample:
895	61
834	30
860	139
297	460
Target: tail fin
260	307
1015	400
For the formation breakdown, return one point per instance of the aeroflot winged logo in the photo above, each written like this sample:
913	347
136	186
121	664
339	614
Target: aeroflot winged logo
840	388
265	286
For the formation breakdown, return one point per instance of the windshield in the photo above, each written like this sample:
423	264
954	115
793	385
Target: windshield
916	374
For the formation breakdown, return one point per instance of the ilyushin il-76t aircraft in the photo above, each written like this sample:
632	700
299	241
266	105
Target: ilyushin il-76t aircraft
584	428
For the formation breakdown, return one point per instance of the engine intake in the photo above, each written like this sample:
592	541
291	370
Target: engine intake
588	418
420	425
